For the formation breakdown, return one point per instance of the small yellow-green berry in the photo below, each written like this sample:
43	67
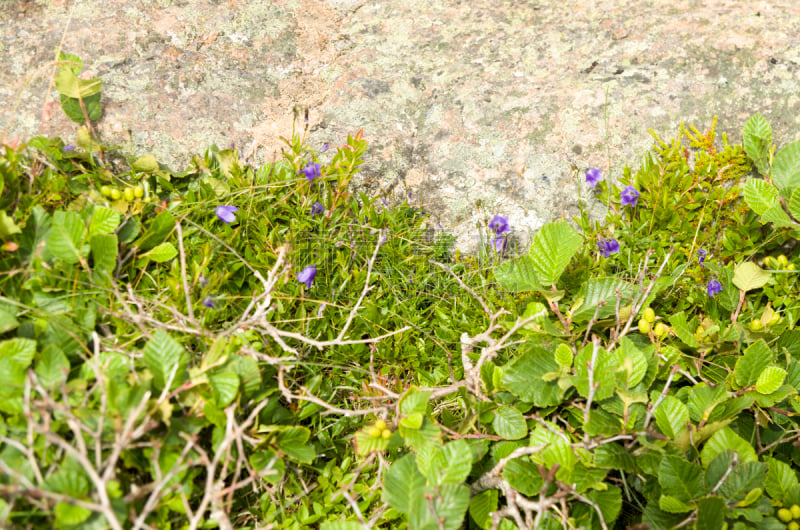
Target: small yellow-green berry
624	312
115	194
649	314
660	330
138	192
644	326
782	261
793	526
380	424
790	267
756	325
774	321
785	515
795	509
105	191
128	194
374	432
386	434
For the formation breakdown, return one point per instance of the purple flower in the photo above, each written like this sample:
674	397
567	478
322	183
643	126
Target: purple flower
499	243
701	256
593	177
69	147
325	147
714	287
306	275
629	196
499	224
226	213
210	303
317	208
608	247
311	171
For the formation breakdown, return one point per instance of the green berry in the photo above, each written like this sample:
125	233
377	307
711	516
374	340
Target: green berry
380	424
115	194
756	325
795	509
105	191
128	194
138	192
644	326
660	330
649	314
785	515
374	432
793	526
386	434
782	261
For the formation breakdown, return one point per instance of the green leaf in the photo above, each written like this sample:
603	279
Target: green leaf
104	221
564	356
19	352
8	321
450	463
524	377
600	294
786	168
517	275
342	525
161	253
53	367
509	423
683	329
711	513
760	195
672	505
777	216
145	164
66	236
552	249
634	365
366	444
294	442
68	482
757	141
7	225
404	485
703	399
723	440
166	359
70	515
414	402
158	230
225	387
70	85
104	255
680	478
523	475
794	203
481	506
780	479
750	365
609	501
671	416
748	276
770	379
450	506
72	108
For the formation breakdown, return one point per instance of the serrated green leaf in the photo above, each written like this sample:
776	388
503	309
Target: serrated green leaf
104	221
509	423
748	276
600	295
680	478
671	416
524	377
145	164
414	402
552	249
703	399
749	366
53	367
633	366
18	352
780	479
70	515
225	387
517	275
366	444
72	108
412	421
760	195
294	442
104	256
777	216
161	253
68	84
794	203
786	168
683	329
770	379
523	476
7	225
609	501
481	506
342	525
711	512
404	485
158	230
8	321
564	356
166	359
672	505
757	140
423	437
723	440
66	237
602	422
451	463
450	506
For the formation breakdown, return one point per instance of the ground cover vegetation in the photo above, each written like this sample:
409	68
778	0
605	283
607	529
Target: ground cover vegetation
231	346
